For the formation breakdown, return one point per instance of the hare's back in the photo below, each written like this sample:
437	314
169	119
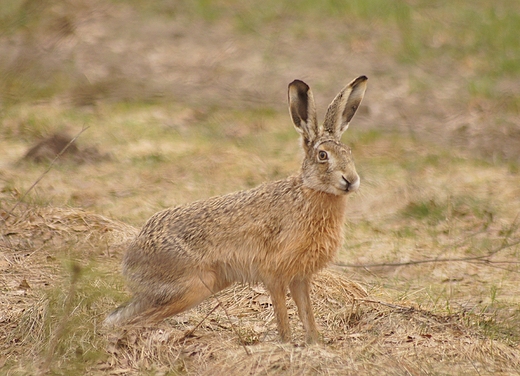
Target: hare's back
223	220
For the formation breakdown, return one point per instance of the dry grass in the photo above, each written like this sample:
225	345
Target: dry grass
60	265
58	280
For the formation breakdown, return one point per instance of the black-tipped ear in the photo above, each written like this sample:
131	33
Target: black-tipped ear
303	109
359	86
344	106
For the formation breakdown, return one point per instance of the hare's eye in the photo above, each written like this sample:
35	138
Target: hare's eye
322	155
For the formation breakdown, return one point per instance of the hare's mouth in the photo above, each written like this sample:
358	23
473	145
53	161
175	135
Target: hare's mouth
350	185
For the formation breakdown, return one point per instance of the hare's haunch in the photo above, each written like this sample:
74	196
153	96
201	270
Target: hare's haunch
280	233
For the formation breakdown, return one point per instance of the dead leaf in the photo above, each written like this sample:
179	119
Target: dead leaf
121	371
24	285
259	289
80	228
259	329
263	300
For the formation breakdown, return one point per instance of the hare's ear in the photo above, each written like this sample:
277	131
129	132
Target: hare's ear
344	106
303	110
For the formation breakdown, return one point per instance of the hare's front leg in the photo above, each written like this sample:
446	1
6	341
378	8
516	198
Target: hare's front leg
300	291
278	291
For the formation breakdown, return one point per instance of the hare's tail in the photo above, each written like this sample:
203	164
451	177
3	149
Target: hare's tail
124	314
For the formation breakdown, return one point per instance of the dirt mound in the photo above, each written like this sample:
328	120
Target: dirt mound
47	149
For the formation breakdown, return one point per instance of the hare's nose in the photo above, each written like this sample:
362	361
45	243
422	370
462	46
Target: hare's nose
352	183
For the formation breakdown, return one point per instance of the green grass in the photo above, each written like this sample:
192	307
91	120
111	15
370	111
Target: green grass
421	210
483	33
436	209
478	40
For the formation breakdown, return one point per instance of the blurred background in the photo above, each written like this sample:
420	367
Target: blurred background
445	70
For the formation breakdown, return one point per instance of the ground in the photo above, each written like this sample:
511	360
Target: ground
164	104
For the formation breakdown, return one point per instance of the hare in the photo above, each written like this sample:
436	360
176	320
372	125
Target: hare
280	233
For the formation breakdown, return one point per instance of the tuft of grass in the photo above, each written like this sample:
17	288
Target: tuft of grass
63	329
428	210
436	210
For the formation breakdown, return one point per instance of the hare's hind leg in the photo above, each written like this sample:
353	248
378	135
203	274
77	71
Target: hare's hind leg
186	295
300	291
155	304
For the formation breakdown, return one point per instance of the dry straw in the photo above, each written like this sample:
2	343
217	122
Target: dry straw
362	333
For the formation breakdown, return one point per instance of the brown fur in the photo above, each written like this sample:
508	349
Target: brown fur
280	233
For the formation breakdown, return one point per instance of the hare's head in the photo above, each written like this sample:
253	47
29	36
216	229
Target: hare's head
328	164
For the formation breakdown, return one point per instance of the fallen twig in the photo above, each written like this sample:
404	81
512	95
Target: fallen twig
242	342
485	259
190	332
